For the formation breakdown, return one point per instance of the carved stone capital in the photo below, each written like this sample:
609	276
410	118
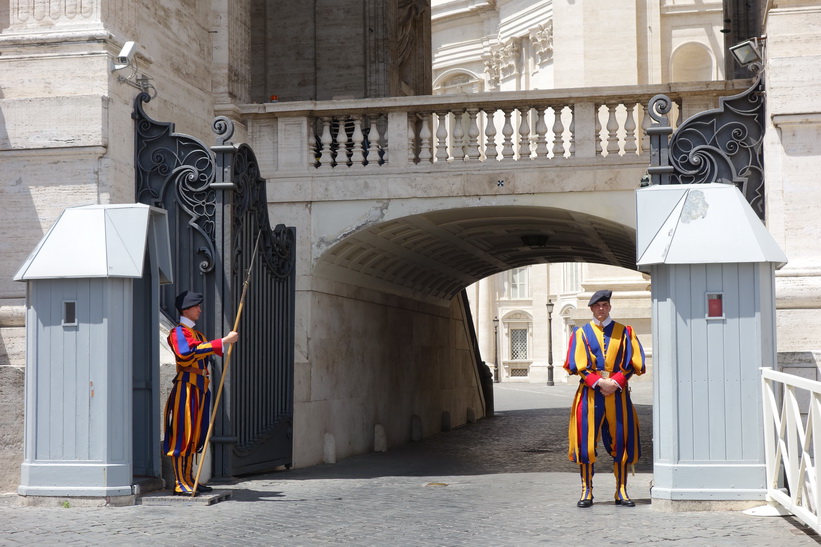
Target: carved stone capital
542	40
509	57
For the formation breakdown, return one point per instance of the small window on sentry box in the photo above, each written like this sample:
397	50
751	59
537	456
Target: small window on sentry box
715	305
69	313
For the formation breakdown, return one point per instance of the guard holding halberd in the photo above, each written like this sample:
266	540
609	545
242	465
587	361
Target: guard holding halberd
187	412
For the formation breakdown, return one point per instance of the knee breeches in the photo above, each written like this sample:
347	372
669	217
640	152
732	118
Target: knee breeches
613	417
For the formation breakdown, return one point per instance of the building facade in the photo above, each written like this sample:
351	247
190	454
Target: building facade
380	354
516	45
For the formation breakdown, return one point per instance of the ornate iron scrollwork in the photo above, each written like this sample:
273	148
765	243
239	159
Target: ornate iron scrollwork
164	159
250	199
721	145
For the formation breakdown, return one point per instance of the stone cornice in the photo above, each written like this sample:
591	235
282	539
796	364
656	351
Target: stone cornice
451	12
798	118
717	88
48	37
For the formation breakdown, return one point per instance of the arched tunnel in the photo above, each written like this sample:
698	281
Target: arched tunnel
439	253
390	345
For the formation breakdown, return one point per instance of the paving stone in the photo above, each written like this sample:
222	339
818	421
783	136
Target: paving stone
167	498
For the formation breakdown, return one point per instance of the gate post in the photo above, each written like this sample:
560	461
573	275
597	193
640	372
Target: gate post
223	308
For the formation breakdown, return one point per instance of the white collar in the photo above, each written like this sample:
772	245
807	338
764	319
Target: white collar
187	322
604	323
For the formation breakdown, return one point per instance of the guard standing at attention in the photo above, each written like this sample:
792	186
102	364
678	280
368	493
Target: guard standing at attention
188	410
605	354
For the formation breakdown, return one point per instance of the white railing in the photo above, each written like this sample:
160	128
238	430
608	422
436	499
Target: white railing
482	128
792	439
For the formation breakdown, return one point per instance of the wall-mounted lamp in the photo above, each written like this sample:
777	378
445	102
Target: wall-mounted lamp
748	53
127	58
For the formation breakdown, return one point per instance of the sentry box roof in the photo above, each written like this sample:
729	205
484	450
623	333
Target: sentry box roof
700	224
101	241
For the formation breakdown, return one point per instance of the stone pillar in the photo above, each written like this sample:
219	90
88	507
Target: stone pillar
231	68
791	157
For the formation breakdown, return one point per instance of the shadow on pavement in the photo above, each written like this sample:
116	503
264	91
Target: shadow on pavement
516	441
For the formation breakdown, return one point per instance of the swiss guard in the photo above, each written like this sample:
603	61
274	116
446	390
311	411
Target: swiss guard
187	412
606	355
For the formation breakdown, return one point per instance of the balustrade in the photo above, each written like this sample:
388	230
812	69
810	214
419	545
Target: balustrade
543	126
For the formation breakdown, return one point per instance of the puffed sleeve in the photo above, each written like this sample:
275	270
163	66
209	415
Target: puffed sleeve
580	360
188	348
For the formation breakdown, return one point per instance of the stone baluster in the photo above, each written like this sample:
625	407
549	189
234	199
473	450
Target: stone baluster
645	136
373	142
326	159
383	141
412	137
473	135
558	132
598	133
491	148
314	145
342	142
507	132
630	146
524	134
425	155
458	144
442	137
541	134
571	146
357	138
612	130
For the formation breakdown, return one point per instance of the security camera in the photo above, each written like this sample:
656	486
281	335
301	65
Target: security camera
126	55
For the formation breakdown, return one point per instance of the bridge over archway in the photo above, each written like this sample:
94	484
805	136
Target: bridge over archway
438	253
399	204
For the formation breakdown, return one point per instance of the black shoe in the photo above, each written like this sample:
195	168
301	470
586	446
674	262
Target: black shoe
585	503
176	493
626	503
203	488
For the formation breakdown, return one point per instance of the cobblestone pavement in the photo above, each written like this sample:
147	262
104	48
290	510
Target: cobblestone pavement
503	481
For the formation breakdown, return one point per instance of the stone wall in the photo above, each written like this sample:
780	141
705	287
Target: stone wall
378	359
333	49
11	426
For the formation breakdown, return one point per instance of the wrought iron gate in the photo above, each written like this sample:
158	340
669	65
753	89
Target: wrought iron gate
725	145
216	208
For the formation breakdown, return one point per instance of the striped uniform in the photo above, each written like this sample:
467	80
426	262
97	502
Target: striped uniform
187	412
594	353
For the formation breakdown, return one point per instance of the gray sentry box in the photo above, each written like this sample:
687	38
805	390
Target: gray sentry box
712	264
92	355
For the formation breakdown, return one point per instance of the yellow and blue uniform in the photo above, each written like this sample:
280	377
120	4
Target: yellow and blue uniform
187	412
599	351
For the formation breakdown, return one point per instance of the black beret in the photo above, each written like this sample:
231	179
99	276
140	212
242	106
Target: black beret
188	299
598	296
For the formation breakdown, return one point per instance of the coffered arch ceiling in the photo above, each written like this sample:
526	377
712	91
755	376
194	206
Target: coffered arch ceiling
437	254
